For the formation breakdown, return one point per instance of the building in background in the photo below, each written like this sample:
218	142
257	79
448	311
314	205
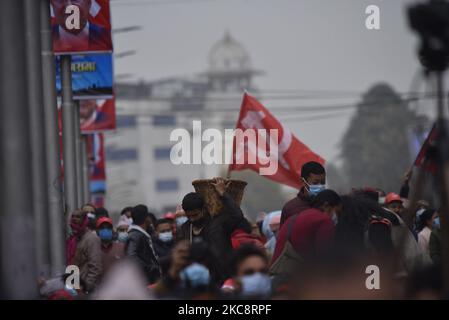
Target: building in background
139	169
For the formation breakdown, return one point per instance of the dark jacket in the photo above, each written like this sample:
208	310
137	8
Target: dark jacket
163	250
217	233
435	246
300	203
139	248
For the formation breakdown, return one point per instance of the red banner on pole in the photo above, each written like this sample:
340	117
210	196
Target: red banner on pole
290	153
81	26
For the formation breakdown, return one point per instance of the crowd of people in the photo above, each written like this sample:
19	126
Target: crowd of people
317	246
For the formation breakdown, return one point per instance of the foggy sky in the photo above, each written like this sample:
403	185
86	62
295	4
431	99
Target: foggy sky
300	44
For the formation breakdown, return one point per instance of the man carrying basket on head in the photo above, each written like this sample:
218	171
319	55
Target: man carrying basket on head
215	230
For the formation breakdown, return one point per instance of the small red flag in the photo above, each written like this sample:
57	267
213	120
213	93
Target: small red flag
277	143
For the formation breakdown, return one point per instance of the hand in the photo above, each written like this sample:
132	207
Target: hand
179	258
179	211
220	185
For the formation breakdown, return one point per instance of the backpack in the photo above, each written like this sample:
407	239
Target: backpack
289	261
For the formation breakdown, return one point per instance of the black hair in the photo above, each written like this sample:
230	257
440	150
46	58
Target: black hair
162	221
192	201
242	253
139	213
245	226
101	212
311	167
152	218
354	221
424	218
326	196
125	210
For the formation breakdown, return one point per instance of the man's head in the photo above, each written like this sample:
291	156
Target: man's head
275	223
59	8
164	230
394	203
328	201
87	108
101	212
193	205
313	176
77	217
104	229
141	216
249	266
126	211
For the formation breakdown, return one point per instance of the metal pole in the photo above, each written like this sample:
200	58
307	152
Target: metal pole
79	160
86	185
444	181
68	135
17	245
54	187
38	157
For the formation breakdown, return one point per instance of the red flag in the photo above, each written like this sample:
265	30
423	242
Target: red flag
291	153
426	157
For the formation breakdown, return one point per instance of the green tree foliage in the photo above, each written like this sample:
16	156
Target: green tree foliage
375	148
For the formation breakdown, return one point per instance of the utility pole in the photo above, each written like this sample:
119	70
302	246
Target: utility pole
52	150
17	241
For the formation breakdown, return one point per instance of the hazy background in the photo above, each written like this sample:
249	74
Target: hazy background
319	45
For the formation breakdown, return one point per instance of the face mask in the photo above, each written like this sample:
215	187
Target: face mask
257	284
122	237
436	223
314	189
166	236
105	234
194	276
199	222
181	220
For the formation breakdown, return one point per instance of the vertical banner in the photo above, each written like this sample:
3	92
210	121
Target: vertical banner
81	26
97	172
92	76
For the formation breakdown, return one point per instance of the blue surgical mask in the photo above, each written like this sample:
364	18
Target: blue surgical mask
166	236
122	237
105	234
436	223
194	276
257	284
181	220
314	189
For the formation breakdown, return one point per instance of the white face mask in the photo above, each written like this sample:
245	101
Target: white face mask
181	220
257	284
166	236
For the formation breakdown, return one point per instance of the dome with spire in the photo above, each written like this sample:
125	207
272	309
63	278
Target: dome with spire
228	55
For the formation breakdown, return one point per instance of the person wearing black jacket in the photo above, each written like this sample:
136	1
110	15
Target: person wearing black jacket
140	245
215	231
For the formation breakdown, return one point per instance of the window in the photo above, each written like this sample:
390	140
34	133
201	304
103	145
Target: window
167	185
125	121
121	154
162	153
164	121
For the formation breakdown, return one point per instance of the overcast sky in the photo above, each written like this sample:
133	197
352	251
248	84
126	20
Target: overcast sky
300	44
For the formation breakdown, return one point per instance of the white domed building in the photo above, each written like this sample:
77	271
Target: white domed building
139	169
230	66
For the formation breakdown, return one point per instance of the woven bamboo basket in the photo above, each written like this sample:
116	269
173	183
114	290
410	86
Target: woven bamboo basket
212	200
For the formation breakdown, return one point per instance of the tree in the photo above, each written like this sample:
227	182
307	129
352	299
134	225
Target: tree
375	148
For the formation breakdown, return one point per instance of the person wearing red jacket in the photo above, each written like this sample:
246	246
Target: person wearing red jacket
312	231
